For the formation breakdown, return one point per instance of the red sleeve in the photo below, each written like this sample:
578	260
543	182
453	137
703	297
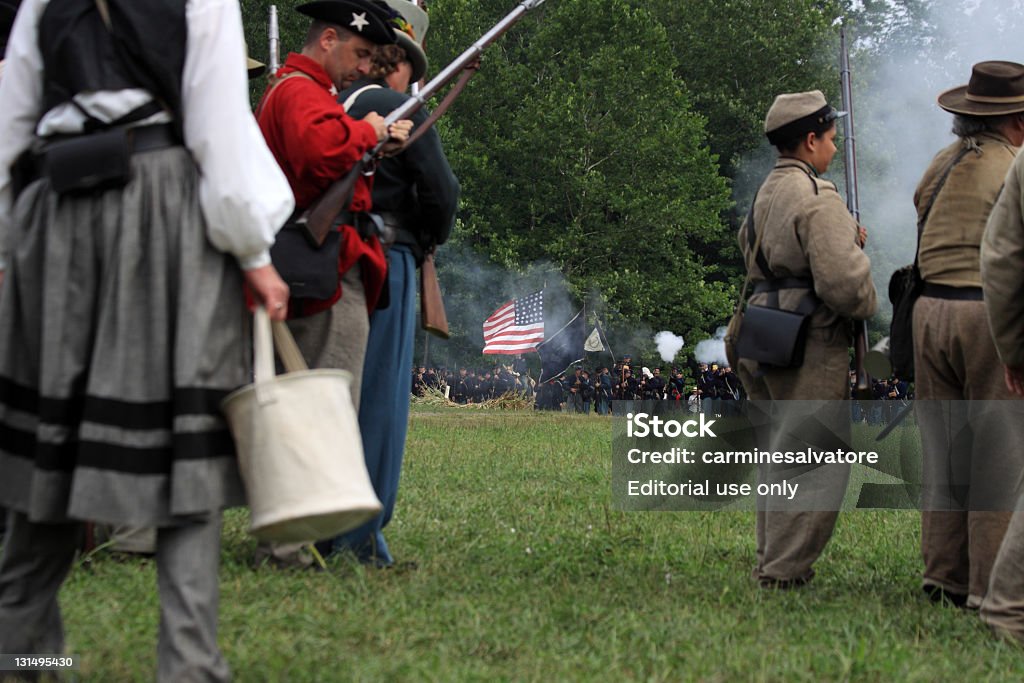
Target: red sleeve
312	138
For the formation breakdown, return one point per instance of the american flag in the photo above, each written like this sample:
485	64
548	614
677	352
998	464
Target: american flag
516	327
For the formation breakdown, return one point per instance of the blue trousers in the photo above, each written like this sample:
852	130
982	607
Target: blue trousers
384	403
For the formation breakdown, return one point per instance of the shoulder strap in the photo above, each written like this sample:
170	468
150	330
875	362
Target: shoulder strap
351	99
755	250
282	79
755	243
814	184
104	10
935	195
810	300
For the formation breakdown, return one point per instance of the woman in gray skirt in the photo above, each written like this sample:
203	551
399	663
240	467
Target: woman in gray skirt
146	198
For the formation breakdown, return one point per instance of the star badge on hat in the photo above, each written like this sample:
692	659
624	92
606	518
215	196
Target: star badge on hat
359	21
361	17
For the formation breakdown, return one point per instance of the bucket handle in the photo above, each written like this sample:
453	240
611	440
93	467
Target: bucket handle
265	337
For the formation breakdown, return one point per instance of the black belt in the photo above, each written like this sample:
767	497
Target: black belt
396	230
367	224
149	138
140	138
388	227
31	164
775	284
952	293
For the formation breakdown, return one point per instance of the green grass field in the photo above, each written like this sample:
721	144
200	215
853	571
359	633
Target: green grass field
525	572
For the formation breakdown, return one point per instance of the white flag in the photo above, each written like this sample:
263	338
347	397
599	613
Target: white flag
593	342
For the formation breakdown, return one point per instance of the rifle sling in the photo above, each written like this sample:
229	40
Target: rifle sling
456	90
322	212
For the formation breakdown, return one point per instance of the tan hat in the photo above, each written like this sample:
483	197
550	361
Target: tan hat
256	68
410	32
793	114
996	88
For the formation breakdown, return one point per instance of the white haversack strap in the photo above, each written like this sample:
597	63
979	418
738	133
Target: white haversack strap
351	99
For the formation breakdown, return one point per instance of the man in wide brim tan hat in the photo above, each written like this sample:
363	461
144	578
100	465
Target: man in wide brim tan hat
996	88
963	521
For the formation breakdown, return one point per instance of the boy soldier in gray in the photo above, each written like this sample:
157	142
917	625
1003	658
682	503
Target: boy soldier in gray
1002	280
810	246
969	470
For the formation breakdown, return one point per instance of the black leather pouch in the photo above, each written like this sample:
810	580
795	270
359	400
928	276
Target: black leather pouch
773	337
89	163
311	271
905	288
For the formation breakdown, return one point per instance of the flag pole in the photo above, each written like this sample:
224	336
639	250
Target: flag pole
551	339
607	345
584	327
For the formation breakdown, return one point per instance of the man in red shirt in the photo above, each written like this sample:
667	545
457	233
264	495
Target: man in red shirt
316	144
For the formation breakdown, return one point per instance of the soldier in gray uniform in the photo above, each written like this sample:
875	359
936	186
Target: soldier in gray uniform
969	467
810	246
1002	281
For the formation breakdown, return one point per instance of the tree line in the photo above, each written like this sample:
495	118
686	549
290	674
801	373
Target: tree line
606	147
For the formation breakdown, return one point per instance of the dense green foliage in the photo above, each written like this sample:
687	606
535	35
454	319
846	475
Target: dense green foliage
578	146
735	56
607	149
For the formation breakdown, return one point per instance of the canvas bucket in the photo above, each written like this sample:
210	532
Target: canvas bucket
299	450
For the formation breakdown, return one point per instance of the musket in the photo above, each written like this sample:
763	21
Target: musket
321	215
275	41
860	343
415	87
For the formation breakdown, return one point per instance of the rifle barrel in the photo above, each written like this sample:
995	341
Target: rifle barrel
461	62
323	212
863	387
274	36
849	139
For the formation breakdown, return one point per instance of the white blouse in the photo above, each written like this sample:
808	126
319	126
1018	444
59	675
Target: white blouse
244	196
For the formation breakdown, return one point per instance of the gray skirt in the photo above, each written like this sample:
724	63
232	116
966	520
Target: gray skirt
121	329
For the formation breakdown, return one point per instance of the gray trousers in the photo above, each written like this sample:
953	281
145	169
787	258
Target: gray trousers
790	540
37	557
335	338
970	435
1003	605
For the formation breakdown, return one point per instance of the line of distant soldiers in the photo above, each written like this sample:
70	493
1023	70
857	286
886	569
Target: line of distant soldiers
471	386
888	396
714	391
